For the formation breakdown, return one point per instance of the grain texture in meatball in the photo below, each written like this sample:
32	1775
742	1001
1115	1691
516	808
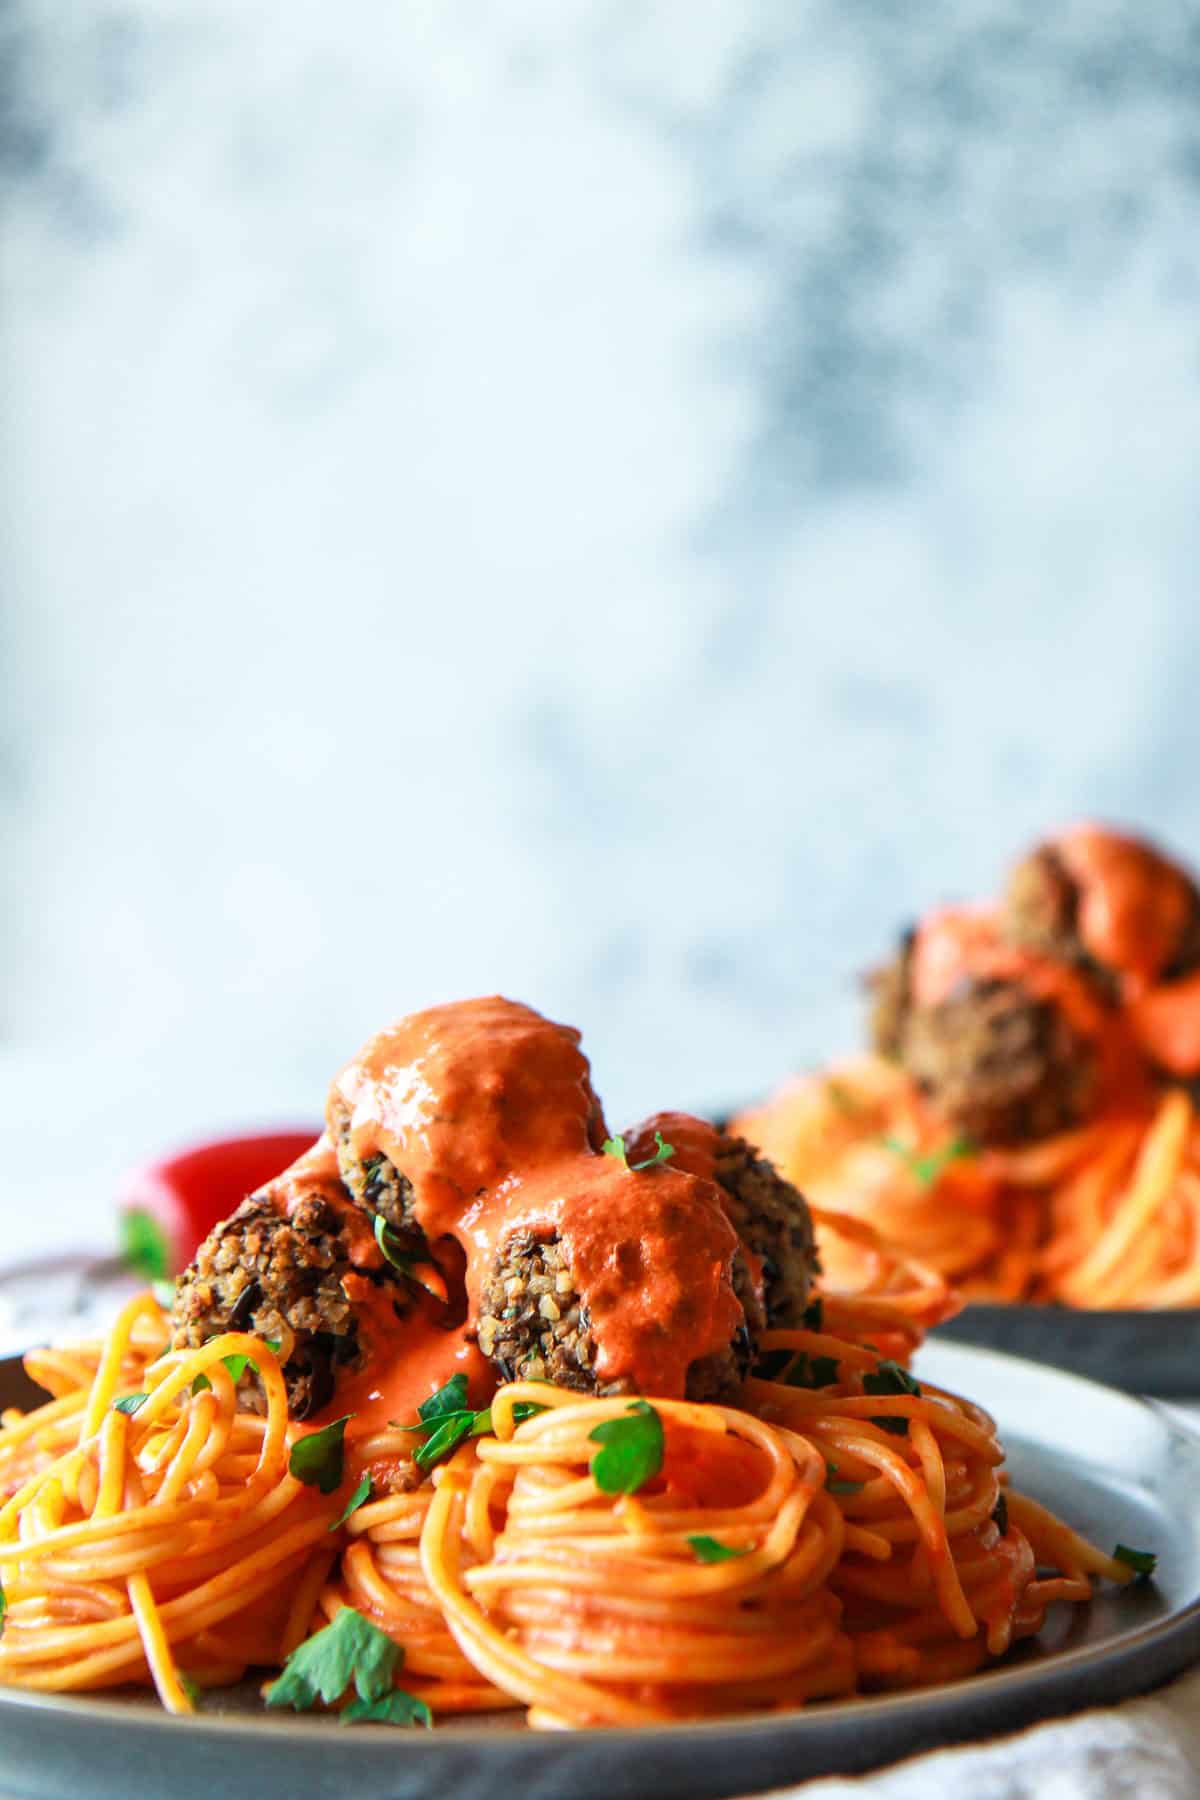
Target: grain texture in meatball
772	1219
533	1326
283	1277
1001	1064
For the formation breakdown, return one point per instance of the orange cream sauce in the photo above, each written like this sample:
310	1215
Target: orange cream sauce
1133	903
956	942
488	1110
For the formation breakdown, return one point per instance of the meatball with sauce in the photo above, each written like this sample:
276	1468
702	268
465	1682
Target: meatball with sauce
533	1326
771	1217
295	1265
989	1032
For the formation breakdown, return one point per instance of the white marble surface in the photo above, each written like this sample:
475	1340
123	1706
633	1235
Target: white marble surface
615	504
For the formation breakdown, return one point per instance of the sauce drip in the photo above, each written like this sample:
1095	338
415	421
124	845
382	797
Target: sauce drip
488	1111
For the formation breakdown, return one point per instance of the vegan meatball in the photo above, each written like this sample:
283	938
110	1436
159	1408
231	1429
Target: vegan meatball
289	1265
1001	1064
1110	905
772	1219
533	1326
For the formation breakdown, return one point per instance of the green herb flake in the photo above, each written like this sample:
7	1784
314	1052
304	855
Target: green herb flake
350	1649
396	1708
1143	1561
710	1550
527	1409
615	1146
237	1365
812	1371
451	1398
834	1484
192	1689
144	1246
317	1460
389	1243
926	1169
632	1449
448	1433
890	1378
359	1497
129	1403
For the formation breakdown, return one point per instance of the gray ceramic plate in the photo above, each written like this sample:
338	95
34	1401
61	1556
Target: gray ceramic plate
1118	1468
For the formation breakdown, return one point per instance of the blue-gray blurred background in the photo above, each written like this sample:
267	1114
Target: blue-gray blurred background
615	503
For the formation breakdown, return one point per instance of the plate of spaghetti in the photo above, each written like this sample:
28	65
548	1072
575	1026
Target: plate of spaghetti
557	1451
1025	1119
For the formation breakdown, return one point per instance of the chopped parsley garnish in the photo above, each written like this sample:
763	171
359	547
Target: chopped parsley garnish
396	1708
812	1371
710	1550
350	1649
317	1460
389	1243
926	1169
1143	1561
144	1245
813	1316
451	1398
445	1437
191	1689
237	1365
632	1449
129	1403
1000	1515
890	1378
447	1419
615	1146
834	1485
359	1497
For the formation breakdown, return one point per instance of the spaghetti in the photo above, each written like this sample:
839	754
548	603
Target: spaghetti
1105	1215
810	1542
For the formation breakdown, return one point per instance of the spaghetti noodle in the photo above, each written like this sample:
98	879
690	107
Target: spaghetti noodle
1106	1215
810	1542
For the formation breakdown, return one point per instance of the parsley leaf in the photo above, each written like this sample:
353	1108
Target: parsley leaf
396	1708
144	1245
709	1550
632	1450
835	1485
1144	1561
317	1459
615	1146
389	1243
451	1398
191	1689
236	1364
1000	1515
359	1497
129	1403
527	1409
349	1649
926	1169
448	1433
890	1378
812	1371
